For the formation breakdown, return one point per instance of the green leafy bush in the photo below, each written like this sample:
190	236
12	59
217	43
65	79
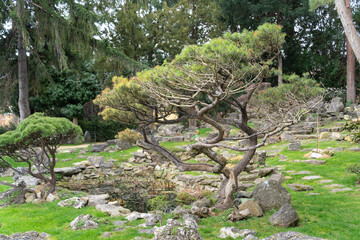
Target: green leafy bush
354	127
355	168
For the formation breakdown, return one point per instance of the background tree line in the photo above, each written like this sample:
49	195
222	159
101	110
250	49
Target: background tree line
58	55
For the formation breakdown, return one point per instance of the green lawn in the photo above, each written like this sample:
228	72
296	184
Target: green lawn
328	215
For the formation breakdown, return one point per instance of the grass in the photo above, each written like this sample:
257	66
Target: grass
327	215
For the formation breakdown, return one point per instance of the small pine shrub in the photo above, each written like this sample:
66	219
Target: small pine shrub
129	136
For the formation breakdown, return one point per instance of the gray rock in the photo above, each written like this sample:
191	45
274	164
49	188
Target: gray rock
314	162
336	105
291	236
188	136
174	230
339	149
237	215
106	234
112	210
285	217
83	222
311	177
286	136
74	202
336	136
235	233
170	129
294	146
122	145
96	161
340	190
260	157
28	180
112	142
68	171
98	147
152	219
204	202
253	207
31	235
300	187
133	216
180	211
98	199
119	223
277	177
7	172
271	195
354	149
147	231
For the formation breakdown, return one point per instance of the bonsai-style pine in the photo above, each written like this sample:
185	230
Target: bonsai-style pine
202	82
34	142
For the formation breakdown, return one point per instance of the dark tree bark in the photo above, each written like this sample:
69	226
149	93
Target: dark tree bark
24	107
349	27
350	68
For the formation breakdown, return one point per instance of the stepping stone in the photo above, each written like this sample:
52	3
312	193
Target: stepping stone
311	177
325	181
315	193
333	185
296	160
340	190
314	162
302	173
354	149
300	187
290	171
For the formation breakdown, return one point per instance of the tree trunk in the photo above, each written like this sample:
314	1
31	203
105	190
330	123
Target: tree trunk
24	107
349	27
350	68
192	121
230	184
280	68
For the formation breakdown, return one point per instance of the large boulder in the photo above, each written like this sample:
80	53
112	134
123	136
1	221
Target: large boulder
271	195
170	129
28	180
98	199
253	207
122	145
96	161
98	147
291	236
175	230
87	137
83	222
234	232
335	106
285	217
112	210
68	171
74	202
31	235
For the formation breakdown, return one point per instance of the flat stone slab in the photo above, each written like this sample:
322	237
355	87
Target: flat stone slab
302	173
325	181
314	162
311	177
340	190
333	185
300	187
315	193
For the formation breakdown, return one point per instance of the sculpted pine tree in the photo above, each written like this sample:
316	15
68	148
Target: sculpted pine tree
225	71
35	133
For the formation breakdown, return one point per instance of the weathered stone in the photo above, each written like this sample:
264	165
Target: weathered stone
152	219
237	215
122	145
180	211
354	149
340	190
68	171
277	177
300	187
294	146
202	212
336	136
311	177
31	235
52	197
96	161
259	158
98	147
325	181
147	231
302	173
244	186
112	210
291	236
235	233
170	129
253	207
285	217
106	234
324	135
83	222
98	199
133	216
314	162
271	195
204	202
74	202
174	230
7	172
333	185
28	180
286	136
247	177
